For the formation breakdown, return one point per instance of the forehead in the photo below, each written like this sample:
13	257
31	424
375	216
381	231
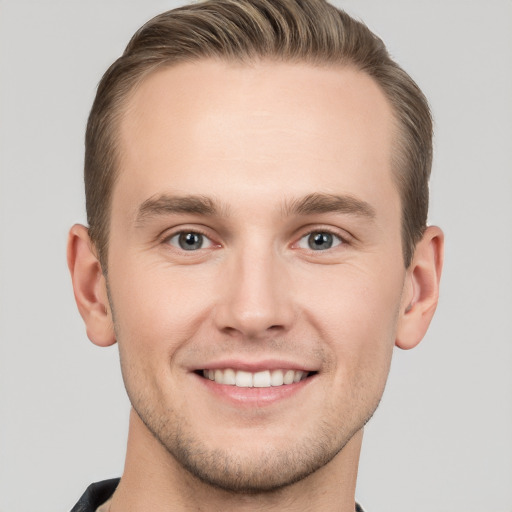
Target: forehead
226	128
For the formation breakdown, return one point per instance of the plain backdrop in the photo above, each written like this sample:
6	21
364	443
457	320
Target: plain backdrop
441	440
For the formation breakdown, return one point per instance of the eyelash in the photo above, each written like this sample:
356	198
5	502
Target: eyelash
342	240
335	239
167	239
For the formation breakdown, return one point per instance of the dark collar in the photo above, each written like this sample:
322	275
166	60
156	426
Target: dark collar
96	494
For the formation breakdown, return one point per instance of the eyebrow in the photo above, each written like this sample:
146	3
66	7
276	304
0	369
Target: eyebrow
311	204
329	203
170	204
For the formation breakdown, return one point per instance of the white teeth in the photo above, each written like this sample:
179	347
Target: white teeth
288	377
243	379
276	378
263	379
229	377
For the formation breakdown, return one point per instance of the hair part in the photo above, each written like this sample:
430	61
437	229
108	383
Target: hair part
310	31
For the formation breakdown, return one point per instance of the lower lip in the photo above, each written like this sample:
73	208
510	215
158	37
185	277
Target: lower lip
254	397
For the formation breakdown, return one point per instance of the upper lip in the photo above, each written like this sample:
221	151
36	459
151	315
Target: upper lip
256	366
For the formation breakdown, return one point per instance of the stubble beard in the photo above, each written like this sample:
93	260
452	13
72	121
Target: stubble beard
237	472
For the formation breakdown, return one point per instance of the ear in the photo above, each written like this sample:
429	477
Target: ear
90	287
421	289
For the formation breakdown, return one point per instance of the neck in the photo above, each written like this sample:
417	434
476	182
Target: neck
154	480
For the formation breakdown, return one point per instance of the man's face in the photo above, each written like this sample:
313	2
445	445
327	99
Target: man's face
255	239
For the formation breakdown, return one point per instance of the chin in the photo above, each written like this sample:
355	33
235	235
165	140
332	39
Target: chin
264	465
270	470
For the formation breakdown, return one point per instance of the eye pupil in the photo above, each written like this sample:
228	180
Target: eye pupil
318	241
190	241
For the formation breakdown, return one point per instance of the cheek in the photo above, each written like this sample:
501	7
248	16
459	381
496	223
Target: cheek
356	312
352	297
156	314
158	308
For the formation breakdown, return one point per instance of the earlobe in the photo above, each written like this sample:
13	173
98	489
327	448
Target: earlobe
89	287
421	289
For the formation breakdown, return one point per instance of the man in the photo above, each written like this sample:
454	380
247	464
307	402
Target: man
256	181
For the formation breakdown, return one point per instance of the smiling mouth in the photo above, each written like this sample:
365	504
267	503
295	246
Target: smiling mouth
261	379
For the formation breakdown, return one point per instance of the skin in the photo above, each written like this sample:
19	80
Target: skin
255	141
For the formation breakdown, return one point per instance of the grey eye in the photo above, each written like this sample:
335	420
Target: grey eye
319	241
190	241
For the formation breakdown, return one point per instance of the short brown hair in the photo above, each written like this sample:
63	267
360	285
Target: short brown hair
246	30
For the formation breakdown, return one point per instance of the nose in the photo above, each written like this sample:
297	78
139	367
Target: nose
255	295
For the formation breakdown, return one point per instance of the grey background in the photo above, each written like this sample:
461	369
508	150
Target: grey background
442	438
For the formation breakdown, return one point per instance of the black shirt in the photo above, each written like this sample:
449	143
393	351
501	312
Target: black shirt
96	494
